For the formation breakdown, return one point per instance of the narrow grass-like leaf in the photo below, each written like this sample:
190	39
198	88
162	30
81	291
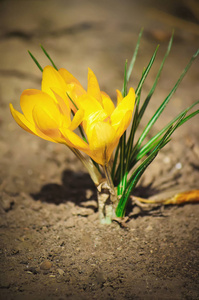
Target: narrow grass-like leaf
128	75
130	142
131	65
122	164
146	102
144	76
165	102
122	143
136	116
35	61
150	144
189	117
125	81
133	129
48	56
113	169
138	92
140	170
137	174
132	62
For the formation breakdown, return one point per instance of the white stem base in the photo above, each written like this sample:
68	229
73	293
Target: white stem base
107	202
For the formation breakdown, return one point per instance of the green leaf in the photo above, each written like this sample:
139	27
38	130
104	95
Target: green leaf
122	143
113	169
146	102
128	74
35	61
154	140
136	119
125	81
130	149
120	210
142	167
144	75
48	56
132	62
165	102
189	117
130	143
122	184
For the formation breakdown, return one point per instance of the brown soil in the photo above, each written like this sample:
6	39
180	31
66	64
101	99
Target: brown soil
52	245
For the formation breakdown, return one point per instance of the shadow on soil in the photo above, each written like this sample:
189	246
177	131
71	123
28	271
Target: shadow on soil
74	188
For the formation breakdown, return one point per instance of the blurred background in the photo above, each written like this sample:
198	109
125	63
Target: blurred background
96	34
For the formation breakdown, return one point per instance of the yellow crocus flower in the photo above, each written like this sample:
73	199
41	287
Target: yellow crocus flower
46	113
103	123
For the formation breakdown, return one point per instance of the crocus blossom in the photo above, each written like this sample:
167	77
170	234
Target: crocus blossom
47	113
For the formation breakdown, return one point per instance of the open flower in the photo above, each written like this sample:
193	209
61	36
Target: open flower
47	113
105	127
102	122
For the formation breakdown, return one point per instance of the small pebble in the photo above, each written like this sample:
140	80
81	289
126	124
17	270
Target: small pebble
6	202
70	223
166	160
149	228
60	271
178	166
46	265
31	270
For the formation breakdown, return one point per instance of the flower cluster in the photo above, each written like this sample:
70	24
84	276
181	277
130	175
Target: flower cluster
62	105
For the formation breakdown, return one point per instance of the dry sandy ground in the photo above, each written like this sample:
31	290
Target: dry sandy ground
52	245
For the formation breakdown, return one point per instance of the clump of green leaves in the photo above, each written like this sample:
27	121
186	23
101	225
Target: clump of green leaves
132	157
130	152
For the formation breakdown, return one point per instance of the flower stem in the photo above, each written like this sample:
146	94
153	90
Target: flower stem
107	198
89	165
109	178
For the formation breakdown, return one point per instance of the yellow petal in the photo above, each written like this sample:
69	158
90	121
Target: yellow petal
73	140
107	104
30	98
77	119
89	104
47	122
97	116
102	141
51	79
26	125
68	77
93	86
119	97
64	108
21	120
124	119
75	91
127	104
